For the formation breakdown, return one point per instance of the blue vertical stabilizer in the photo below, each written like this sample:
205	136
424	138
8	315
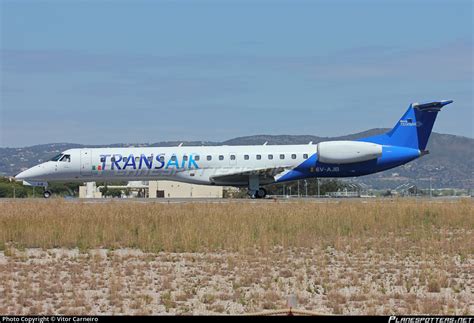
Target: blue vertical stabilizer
414	128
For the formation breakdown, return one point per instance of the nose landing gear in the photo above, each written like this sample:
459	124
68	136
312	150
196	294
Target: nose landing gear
47	194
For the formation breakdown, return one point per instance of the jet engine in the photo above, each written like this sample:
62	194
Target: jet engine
347	152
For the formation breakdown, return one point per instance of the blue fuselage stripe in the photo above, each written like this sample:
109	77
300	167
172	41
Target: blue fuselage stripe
392	156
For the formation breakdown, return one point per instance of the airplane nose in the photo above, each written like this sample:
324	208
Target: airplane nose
20	176
30	173
24	175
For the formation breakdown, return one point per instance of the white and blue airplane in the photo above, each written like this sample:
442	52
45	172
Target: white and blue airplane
245	166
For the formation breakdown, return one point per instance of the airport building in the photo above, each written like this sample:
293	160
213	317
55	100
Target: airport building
153	189
90	191
170	189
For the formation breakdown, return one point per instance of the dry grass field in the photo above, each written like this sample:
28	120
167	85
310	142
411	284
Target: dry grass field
347	257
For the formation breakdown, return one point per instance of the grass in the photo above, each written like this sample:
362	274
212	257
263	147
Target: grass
381	256
432	227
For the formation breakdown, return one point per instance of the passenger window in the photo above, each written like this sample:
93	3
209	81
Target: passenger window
209	157
137	159
112	159
270	156
185	158
232	157
173	158
162	158
221	157
282	156
246	157
305	156
196	157
293	156
259	157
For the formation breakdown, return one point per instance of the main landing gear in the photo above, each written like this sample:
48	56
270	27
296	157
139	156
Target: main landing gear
261	193
255	191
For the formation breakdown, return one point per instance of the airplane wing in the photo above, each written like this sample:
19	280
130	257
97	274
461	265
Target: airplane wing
240	176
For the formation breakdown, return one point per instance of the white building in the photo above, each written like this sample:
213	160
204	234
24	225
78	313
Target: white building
89	191
170	189
156	189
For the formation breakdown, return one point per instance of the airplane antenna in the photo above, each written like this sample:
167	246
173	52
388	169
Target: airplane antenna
266	142
310	143
180	145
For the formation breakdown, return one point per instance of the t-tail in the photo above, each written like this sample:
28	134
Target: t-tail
414	128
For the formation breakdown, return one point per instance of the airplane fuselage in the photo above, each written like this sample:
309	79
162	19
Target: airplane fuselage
251	166
208	165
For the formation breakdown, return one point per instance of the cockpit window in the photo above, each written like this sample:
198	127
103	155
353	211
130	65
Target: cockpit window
56	158
66	158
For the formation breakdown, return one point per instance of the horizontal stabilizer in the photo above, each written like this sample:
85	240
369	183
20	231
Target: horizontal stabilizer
437	105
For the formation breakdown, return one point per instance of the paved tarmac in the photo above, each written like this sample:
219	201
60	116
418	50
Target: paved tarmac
279	199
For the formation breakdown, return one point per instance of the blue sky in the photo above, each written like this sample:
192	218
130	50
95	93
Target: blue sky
96	72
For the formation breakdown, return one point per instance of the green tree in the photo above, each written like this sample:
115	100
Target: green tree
4	190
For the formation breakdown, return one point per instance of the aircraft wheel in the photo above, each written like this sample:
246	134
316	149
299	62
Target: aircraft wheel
261	193
47	194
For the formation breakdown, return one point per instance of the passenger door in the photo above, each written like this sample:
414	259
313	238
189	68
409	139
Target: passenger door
86	162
